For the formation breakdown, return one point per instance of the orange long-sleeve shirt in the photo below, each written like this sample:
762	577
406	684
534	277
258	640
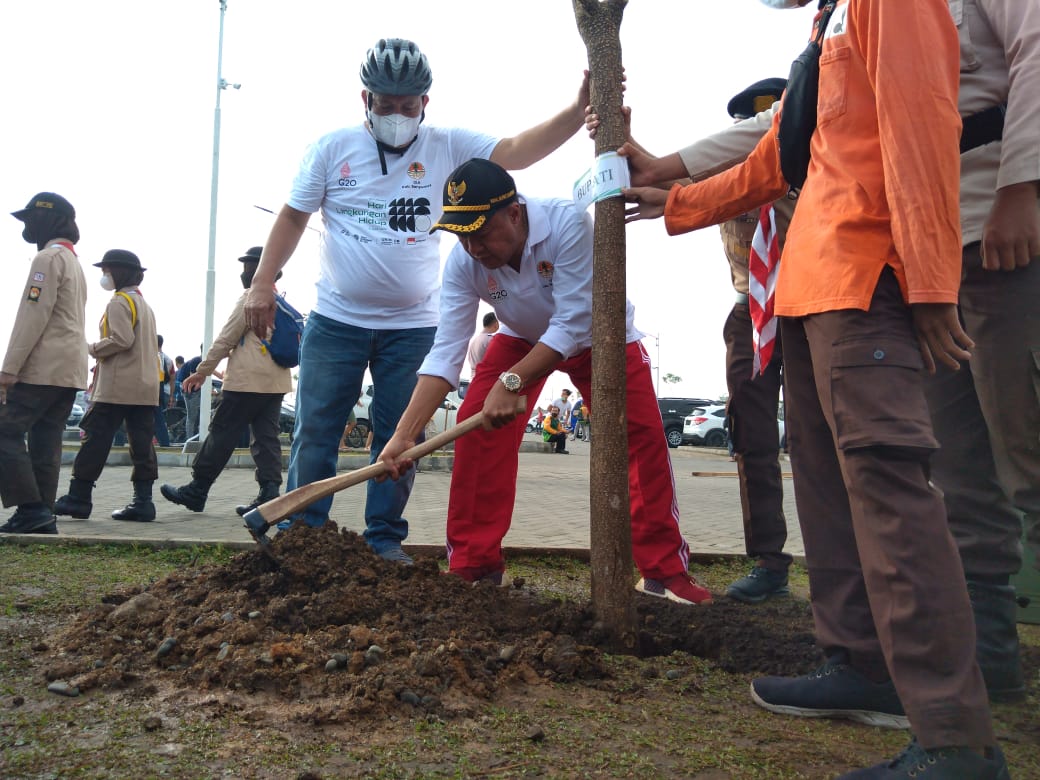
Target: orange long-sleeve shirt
882	187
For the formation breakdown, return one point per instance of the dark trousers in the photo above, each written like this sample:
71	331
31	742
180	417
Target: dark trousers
987	419
884	571
752	411
237	413
162	433
100	424
31	424
559	440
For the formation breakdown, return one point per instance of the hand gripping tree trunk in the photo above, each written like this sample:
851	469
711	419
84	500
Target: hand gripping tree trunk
599	22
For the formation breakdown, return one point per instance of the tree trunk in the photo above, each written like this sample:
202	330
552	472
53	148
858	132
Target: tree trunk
599	22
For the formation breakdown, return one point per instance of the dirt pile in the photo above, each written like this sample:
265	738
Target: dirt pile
342	634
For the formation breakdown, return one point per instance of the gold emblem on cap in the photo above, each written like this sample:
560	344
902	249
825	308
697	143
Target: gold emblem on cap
455	192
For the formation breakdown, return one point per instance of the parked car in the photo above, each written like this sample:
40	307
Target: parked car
78	410
674	412
706	426
533	424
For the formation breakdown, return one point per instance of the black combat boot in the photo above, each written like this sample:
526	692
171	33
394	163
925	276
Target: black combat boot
268	490
77	502
141	509
192	496
996	640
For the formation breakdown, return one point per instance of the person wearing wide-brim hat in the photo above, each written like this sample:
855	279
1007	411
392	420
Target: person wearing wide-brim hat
251	398
45	365
125	389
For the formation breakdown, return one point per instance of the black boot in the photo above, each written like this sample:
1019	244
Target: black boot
268	490
193	495
76	503
141	509
996	640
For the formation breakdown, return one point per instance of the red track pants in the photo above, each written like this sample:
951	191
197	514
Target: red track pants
483	480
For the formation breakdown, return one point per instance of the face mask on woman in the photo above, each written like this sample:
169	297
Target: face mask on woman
108	283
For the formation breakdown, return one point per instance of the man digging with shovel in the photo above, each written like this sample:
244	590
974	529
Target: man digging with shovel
531	260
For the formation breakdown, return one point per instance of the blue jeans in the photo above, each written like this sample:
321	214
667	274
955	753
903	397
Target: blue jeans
162	433
333	359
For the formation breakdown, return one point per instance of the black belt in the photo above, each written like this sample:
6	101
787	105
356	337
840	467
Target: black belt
982	128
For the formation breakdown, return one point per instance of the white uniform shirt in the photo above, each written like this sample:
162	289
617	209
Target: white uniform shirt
379	262
548	300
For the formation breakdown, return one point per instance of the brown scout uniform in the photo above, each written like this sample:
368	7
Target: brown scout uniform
48	353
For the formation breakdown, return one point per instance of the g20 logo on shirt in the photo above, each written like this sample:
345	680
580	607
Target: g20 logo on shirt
345	179
495	292
410	215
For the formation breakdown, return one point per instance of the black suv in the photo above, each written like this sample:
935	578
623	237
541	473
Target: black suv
674	411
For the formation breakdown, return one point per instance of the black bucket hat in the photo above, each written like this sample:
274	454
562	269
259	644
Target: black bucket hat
120	257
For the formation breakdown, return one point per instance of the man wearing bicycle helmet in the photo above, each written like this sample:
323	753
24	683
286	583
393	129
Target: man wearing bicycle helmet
377	187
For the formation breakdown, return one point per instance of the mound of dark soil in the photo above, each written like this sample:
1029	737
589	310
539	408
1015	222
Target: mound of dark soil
336	628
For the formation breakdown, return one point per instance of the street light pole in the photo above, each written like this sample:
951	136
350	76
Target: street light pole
211	271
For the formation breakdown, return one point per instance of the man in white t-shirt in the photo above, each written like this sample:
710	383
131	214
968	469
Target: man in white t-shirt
564	404
376	186
479	343
532	260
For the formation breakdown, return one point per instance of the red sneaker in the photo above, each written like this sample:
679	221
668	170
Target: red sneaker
682	588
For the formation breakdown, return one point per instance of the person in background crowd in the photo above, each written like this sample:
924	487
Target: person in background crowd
251	401
124	390
192	398
554	432
166	382
564	406
479	343
44	366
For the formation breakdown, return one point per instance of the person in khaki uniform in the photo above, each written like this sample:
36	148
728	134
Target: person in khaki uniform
125	389
45	364
987	416
252	396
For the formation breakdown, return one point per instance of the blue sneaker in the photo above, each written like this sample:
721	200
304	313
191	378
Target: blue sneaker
758	585
396	555
835	690
937	764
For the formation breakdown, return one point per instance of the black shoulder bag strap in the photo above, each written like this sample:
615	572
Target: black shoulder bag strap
798	110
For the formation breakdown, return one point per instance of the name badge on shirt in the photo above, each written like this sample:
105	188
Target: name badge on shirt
837	25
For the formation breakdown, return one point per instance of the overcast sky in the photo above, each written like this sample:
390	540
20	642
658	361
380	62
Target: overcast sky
111	104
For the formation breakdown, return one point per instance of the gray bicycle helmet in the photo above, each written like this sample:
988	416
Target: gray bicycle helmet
395	66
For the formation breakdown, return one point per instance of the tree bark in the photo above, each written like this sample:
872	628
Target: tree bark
599	23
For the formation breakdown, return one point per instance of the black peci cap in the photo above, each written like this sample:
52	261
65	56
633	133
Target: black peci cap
474	191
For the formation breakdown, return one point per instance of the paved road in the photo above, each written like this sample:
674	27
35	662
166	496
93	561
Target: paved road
709	503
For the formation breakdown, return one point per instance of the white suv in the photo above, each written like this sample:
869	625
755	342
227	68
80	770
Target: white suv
705	426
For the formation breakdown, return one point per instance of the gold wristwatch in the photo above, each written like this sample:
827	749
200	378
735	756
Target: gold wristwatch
512	382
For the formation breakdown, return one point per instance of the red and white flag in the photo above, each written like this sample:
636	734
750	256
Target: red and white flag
763	264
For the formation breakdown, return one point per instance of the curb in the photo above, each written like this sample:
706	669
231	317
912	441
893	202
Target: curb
442	460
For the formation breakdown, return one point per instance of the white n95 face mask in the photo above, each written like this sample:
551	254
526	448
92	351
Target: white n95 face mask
781	4
394	130
107	282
